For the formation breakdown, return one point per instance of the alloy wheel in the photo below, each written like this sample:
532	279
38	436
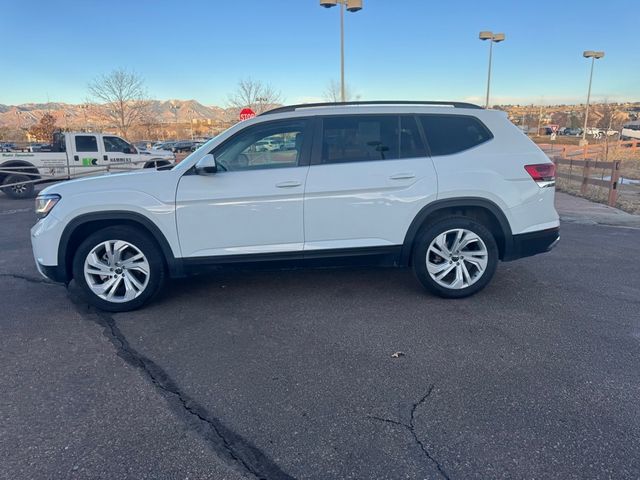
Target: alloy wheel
116	271
457	258
19	189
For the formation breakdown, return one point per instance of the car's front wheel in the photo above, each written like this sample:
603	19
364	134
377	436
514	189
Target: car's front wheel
455	257
119	268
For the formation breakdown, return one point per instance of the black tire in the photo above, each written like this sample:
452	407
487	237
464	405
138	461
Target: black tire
429	233
139	240
24	190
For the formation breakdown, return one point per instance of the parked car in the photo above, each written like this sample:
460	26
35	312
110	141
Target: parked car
143	144
267	145
7	147
166	146
72	155
569	131
631	131
182	146
449	189
601	132
39	147
196	145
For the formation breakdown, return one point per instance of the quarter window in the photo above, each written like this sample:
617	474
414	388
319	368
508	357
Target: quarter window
448	134
270	145
86	143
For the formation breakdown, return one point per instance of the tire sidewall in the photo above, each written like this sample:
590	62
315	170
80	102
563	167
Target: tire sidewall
426	236
16	178
140	240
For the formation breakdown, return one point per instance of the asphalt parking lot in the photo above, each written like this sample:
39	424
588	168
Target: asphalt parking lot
291	374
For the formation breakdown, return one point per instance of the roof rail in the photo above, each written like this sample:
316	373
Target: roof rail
291	108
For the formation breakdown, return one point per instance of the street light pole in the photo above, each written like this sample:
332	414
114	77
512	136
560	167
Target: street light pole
593	56
351	6
486	103
493	38
174	108
343	95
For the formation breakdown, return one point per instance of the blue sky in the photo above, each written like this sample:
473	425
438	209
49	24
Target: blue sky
395	49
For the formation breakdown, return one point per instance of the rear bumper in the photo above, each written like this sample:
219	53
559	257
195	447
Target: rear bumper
533	243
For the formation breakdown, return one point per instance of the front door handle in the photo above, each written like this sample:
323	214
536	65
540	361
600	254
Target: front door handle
105	158
76	158
402	176
290	184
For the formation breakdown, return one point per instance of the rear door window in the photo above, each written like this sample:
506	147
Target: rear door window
449	134
86	143
411	144
363	138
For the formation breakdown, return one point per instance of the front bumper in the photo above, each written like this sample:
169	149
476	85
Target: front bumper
53	272
533	243
45	238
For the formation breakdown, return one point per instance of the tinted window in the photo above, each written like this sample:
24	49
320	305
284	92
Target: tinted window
447	134
116	144
270	145
364	138
411	144
86	143
360	138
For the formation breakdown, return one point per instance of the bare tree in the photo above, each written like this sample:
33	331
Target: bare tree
332	92
609	117
123	98
44	129
255	95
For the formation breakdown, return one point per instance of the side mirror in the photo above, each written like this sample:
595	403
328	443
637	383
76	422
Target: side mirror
206	165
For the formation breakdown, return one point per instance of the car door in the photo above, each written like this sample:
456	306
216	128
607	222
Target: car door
370	176
86	152
253	204
118	154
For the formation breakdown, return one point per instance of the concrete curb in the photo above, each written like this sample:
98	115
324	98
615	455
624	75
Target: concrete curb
580	210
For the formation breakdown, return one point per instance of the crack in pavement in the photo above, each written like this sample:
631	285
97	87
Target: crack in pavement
16	210
27	278
223	440
412	430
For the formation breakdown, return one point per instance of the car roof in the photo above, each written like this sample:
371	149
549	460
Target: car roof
373	108
382	103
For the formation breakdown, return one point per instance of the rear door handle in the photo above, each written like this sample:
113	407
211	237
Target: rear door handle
402	176
290	184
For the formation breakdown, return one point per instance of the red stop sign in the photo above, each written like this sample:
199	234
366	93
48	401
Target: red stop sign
246	114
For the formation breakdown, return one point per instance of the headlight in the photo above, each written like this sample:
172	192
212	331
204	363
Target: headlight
44	204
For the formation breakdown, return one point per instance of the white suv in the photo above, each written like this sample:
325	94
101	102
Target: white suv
446	188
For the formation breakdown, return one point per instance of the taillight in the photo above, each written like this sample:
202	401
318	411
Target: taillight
544	174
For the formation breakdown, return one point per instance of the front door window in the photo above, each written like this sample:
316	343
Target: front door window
272	145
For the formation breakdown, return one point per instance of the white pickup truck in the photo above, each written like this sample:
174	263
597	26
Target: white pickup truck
74	155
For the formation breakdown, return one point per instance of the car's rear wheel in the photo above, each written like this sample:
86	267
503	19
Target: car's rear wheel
455	257
18	189
119	268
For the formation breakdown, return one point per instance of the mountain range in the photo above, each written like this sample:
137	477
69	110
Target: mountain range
71	115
